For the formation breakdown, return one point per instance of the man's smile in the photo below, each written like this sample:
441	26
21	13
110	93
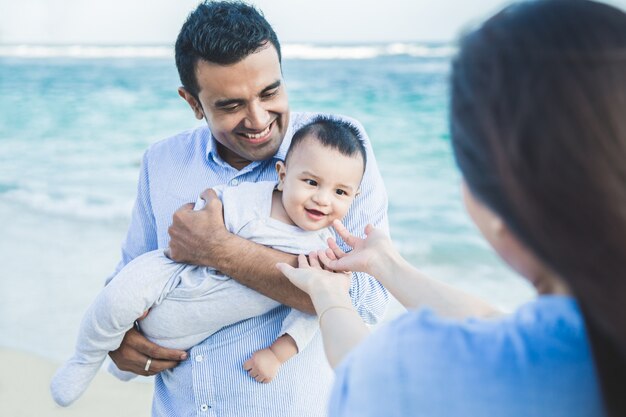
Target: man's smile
259	137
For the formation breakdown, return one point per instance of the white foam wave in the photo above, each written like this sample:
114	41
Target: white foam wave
85	51
75	206
312	51
289	51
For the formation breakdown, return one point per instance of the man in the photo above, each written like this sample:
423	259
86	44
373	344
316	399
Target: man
228	59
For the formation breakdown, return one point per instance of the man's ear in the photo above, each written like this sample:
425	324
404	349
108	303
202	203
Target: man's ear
281	169
193	103
499	229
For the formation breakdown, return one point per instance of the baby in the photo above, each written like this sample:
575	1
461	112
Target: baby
316	184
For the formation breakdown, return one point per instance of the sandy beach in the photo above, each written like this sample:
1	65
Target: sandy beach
24	391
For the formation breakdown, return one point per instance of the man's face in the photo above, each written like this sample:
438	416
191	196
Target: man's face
245	106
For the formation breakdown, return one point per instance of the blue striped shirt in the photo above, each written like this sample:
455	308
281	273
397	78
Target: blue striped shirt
212	381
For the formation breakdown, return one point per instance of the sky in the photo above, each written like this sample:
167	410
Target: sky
138	22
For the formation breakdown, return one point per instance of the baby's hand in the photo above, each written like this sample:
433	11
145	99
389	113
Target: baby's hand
263	366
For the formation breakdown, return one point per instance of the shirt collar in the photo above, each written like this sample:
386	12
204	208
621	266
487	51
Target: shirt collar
211	145
284	146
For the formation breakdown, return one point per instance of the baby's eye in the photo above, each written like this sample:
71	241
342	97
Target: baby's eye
341	192
311	182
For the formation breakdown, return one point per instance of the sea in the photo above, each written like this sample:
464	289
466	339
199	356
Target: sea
75	121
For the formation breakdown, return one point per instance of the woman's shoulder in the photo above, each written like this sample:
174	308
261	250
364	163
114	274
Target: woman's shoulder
550	323
534	357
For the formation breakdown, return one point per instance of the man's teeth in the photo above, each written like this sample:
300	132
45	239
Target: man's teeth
258	135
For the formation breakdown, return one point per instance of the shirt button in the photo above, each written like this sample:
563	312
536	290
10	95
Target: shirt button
234	181
204	407
199	358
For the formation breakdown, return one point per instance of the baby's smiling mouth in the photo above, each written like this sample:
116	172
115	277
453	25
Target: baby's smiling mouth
315	213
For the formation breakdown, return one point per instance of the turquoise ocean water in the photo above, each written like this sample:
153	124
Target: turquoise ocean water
74	122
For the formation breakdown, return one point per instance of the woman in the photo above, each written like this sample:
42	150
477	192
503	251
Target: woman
539	133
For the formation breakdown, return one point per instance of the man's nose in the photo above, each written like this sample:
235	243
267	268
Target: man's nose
258	117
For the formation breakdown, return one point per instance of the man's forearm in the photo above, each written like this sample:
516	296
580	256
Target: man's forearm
254	266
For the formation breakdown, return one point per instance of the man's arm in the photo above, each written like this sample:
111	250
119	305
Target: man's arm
200	238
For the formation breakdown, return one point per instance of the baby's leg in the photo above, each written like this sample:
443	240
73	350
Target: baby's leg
200	305
114	311
264	364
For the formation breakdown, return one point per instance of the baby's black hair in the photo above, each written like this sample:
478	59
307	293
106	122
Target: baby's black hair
333	133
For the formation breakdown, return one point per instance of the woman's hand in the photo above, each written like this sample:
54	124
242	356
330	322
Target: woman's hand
366	254
315	281
342	328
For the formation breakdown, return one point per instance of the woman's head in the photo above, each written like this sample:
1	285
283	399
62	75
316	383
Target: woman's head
538	129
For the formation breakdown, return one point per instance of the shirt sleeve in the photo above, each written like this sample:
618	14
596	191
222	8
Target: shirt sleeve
370	207
141	236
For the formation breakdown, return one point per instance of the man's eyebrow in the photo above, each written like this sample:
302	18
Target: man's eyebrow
230	101
272	86
227	102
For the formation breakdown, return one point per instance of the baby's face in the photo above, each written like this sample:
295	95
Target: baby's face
319	184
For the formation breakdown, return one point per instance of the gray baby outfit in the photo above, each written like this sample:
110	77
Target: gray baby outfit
187	303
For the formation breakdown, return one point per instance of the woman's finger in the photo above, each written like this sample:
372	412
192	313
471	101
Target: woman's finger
334	247
315	263
344	233
325	259
294	275
286	269
302	261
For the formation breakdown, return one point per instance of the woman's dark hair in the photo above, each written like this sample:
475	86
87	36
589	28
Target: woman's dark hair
538	127
221	32
332	133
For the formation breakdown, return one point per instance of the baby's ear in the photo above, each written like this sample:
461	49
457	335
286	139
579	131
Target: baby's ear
358	193
281	169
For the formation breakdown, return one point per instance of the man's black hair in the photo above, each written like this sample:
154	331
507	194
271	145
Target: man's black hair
221	32
336	134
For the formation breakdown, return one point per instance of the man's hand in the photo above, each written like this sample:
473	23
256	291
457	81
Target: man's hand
195	235
135	350
200	238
